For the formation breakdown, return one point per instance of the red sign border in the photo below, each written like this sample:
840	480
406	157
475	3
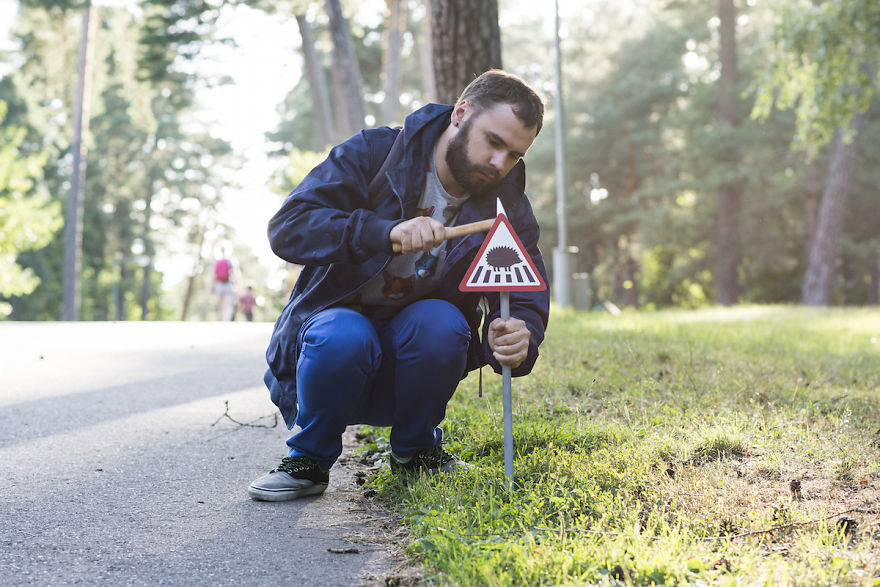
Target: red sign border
540	286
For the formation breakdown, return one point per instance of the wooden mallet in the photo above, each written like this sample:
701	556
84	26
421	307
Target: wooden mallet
464	229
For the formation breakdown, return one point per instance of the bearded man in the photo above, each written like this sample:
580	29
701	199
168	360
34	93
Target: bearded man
370	336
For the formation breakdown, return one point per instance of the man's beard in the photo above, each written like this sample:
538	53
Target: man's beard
467	174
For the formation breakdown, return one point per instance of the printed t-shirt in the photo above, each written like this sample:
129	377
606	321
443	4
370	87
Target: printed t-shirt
412	277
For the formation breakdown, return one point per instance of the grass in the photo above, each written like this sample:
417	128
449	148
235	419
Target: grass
733	447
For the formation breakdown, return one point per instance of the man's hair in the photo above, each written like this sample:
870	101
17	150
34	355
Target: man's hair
499	87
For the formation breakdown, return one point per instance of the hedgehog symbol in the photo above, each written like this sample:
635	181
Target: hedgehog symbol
502	257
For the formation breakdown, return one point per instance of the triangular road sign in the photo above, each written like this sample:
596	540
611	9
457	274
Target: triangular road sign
502	264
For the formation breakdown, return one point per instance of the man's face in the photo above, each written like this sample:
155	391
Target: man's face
487	146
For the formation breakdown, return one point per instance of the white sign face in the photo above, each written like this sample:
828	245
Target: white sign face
502	264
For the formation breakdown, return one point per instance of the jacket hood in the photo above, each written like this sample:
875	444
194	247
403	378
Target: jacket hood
430	116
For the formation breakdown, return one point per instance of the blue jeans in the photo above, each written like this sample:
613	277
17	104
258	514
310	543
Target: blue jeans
402	372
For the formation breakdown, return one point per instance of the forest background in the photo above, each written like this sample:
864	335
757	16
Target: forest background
716	152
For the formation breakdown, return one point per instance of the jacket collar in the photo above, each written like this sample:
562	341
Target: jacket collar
420	130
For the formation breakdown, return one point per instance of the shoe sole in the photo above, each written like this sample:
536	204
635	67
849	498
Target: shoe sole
260	494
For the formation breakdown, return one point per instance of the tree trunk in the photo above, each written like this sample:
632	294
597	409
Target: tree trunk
426	59
145	291
339	109
73	217
729	196
191	280
348	84
148	250
874	285
626	290
466	41
395	23
812	196
819	277
848	278
119	300
122	257
317	83
727	266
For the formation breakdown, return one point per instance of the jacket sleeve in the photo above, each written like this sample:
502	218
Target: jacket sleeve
328	217
532	307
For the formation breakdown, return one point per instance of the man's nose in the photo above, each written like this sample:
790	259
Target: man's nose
497	160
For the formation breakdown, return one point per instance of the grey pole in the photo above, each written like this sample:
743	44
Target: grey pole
507	402
561	266
73	217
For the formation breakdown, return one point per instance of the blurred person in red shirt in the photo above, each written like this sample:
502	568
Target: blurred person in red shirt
247	303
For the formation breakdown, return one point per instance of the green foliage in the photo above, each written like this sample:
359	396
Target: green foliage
298	126
174	30
151	182
641	91
28	219
640	84
299	165
824	63
660	449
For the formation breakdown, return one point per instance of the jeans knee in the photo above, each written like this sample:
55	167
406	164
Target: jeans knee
449	339
434	328
340	337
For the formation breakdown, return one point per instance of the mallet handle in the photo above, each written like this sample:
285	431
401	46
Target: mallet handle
464	229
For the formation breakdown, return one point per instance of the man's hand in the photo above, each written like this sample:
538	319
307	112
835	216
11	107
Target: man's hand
509	341
421	233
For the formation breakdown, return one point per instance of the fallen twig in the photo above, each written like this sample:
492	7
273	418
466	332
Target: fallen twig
728	537
791	525
247	424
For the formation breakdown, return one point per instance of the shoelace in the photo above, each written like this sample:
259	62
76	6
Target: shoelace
437	456
294	464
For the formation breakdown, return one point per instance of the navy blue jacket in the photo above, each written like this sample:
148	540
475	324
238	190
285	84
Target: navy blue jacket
339	232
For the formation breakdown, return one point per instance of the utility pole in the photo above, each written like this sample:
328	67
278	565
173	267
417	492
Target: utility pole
73	217
561	265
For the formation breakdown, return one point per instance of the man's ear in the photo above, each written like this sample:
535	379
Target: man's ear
459	112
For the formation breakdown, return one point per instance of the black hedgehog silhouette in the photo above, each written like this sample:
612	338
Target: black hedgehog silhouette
502	257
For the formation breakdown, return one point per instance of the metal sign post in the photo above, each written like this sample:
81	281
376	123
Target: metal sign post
507	402
502	265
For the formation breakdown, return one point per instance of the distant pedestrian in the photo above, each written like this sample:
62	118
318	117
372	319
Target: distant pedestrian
247	303
224	287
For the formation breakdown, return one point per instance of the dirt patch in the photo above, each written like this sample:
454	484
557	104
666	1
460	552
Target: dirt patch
746	500
374	526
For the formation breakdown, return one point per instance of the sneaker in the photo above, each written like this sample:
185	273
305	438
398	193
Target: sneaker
295	477
432	461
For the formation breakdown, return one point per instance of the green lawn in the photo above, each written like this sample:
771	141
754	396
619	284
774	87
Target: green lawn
723	446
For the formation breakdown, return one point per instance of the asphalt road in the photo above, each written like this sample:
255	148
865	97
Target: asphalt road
120	464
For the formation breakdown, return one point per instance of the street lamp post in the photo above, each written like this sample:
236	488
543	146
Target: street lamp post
70	308
561	264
